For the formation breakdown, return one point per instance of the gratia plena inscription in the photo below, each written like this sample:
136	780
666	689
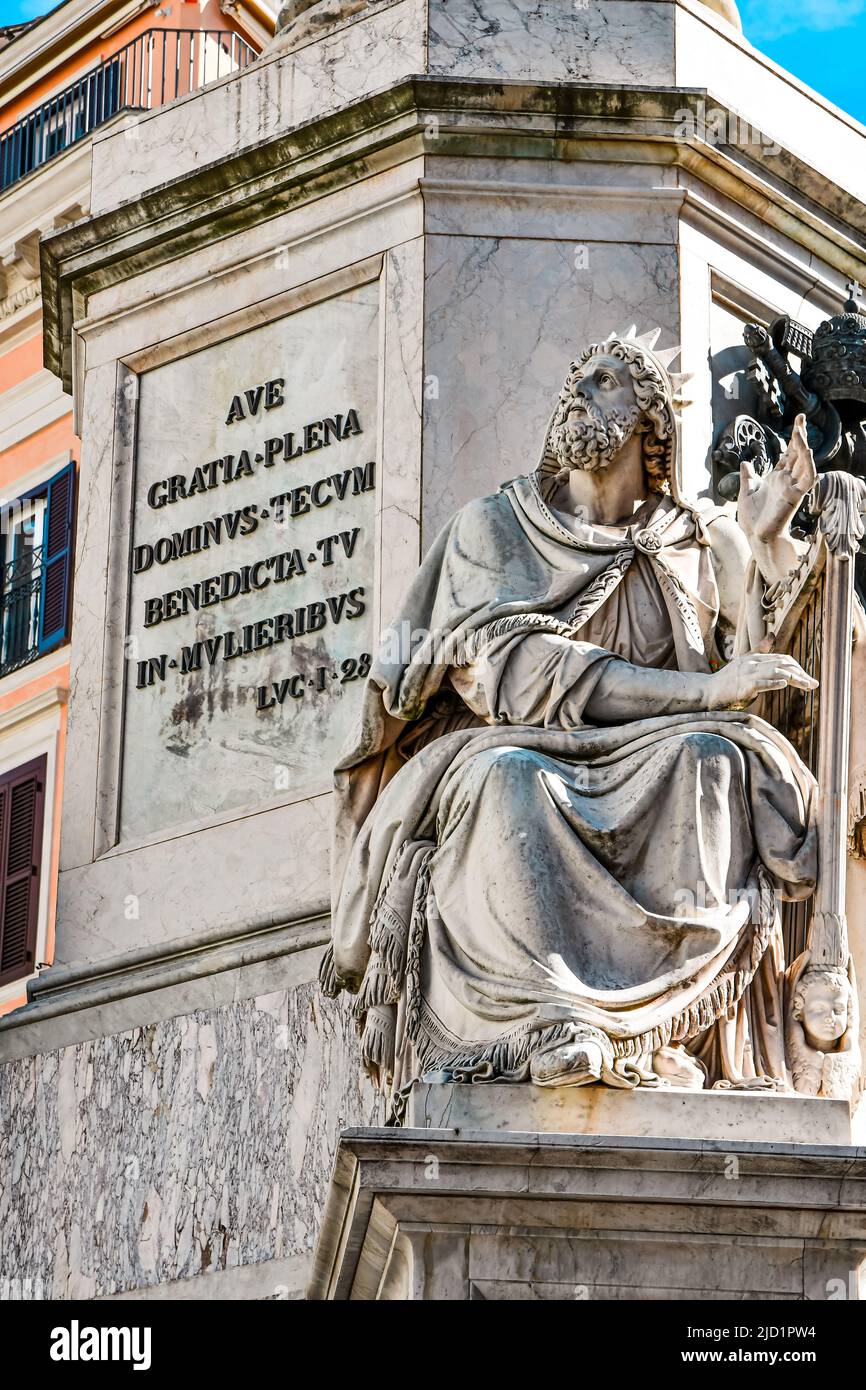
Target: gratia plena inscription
282	511
251	564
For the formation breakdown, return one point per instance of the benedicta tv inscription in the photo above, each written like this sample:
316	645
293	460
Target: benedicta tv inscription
252	565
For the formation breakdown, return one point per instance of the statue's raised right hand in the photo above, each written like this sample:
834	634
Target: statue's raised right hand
740	682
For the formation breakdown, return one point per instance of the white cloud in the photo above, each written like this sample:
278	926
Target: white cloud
766	21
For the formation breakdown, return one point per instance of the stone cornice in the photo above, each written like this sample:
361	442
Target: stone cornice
557	121
489	1182
122	992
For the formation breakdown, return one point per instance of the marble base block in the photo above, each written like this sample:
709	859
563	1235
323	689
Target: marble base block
665	1114
489	1192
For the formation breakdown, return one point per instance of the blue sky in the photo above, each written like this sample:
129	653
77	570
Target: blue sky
822	42
11	11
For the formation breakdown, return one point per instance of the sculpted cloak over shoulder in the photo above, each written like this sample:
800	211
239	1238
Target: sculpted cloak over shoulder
558	848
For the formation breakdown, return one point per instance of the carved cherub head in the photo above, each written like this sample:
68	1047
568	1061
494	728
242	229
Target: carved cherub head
822	1028
821	1004
612	390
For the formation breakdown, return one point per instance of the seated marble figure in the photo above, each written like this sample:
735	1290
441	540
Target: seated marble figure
561	836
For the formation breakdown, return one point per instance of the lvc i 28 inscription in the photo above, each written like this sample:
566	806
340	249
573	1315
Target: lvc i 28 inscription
249	624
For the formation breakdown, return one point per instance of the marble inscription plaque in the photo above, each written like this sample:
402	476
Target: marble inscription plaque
250	612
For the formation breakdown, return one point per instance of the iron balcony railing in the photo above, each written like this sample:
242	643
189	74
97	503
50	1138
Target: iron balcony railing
153	68
20	589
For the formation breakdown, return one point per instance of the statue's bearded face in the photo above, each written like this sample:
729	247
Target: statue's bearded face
597	414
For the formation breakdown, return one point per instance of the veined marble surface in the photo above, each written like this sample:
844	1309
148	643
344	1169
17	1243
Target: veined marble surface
265	100
627	41
503	317
194	1145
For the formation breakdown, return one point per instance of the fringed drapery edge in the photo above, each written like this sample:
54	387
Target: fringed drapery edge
417	932
395	962
378	1032
328	982
509	1056
378	987
388	938
515	622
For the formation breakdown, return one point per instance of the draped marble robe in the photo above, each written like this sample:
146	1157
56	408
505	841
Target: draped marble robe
508	874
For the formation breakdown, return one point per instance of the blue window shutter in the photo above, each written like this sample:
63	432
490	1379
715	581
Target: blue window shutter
57	560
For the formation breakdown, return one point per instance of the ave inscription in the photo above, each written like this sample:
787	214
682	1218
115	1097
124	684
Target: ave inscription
252	562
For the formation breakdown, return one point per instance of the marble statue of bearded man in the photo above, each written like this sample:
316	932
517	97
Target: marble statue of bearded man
560	837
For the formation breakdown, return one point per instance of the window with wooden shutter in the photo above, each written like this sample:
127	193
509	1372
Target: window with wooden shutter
22	806
57	560
36	543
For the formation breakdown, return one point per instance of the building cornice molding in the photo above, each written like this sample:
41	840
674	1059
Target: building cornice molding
255	19
53	195
564	121
34	708
31	405
736	39
59	658
27	294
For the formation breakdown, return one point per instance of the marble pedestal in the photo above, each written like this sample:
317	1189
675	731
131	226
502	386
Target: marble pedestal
477	1212
670	1114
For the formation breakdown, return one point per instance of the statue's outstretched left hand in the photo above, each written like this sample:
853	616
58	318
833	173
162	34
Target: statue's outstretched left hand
767	505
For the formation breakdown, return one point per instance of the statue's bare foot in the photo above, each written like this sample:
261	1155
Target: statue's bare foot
576	1063
676	1067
